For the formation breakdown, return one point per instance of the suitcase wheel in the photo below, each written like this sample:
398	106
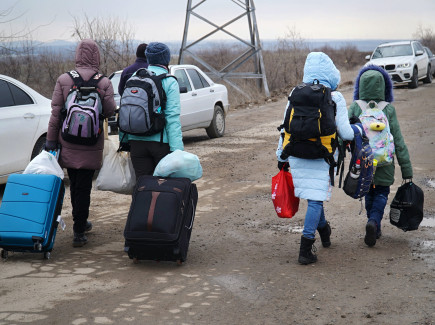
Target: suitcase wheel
135	260
4	254
47	255
179	262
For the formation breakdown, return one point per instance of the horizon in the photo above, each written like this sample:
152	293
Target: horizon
362	45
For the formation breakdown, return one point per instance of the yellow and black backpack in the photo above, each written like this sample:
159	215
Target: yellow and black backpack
309	123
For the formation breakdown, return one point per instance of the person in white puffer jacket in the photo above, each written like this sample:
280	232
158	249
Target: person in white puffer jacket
311	177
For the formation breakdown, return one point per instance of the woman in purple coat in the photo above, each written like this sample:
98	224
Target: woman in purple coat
81	161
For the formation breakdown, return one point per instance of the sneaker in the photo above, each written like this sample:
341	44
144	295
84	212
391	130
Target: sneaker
88	227
371	230
79	239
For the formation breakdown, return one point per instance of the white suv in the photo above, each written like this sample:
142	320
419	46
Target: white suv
406	62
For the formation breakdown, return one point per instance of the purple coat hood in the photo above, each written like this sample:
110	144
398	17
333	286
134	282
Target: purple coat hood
73	155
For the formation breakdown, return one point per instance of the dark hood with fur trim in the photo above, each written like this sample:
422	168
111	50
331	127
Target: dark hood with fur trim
373	83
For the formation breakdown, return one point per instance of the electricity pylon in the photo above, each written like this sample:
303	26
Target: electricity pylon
254	47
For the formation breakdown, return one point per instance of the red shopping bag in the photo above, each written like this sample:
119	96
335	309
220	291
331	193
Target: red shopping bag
283	195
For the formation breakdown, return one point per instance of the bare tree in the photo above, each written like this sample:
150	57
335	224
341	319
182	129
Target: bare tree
426	36
113	37
286	62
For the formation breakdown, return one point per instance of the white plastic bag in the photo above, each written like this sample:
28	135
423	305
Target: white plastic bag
117	173
44	163
179	164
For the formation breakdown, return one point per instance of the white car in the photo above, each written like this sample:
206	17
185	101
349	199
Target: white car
405	61
24	116
204	104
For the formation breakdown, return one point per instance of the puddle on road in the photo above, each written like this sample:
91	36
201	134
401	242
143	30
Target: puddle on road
425	249
428	222
430	183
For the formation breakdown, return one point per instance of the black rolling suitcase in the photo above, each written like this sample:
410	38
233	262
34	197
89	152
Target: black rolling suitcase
160	220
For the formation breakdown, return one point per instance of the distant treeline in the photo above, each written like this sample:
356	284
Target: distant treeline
38	65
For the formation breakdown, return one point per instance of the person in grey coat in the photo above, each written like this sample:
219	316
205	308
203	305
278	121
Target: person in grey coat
81	161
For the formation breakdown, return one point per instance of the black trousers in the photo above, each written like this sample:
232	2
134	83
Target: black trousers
145	155
80	188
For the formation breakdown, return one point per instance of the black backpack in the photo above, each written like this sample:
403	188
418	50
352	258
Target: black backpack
143	103
406	209
309	124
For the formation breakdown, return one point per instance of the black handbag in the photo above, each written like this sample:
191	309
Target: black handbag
406	209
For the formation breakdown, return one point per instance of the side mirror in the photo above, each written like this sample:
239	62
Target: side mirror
418	52
183	90
368	57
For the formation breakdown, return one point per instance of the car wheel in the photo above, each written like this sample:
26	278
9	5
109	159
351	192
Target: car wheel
217	126
39	146
428	78
414	80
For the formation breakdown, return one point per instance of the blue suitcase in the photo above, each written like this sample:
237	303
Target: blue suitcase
29	213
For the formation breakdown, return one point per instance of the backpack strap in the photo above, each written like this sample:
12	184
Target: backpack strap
342	146
76	78
363	104
79	82
382	104
94	80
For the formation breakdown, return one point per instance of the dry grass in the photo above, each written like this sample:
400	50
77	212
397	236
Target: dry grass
283	66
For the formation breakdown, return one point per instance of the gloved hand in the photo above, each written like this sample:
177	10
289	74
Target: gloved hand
283	165
50	145
354	120
124	146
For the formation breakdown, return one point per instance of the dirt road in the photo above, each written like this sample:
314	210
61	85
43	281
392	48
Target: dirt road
242	264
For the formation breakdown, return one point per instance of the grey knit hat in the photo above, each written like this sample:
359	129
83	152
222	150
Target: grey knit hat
158	53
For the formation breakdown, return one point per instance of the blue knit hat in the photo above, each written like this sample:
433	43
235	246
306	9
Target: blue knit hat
158	53
389	96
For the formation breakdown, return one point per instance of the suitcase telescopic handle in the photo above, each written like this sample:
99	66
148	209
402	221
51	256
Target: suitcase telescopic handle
193	216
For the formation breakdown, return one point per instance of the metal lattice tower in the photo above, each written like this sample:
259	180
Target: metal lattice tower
254	48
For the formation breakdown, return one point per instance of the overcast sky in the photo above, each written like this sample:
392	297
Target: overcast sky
163	20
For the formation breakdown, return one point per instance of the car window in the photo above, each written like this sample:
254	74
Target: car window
204	82
6	98
196	79
115	82
20	97
182	79
393	50
418	47
429	53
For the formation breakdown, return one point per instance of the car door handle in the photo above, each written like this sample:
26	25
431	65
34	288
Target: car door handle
212	90
194	94
29	115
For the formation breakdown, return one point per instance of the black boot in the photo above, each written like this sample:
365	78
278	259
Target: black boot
306	255
88	227
325	234
79	239
371	230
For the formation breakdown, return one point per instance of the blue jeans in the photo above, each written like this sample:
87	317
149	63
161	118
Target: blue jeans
375	201
314	218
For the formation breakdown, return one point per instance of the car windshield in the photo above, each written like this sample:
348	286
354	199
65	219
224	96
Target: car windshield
115	82
392	50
